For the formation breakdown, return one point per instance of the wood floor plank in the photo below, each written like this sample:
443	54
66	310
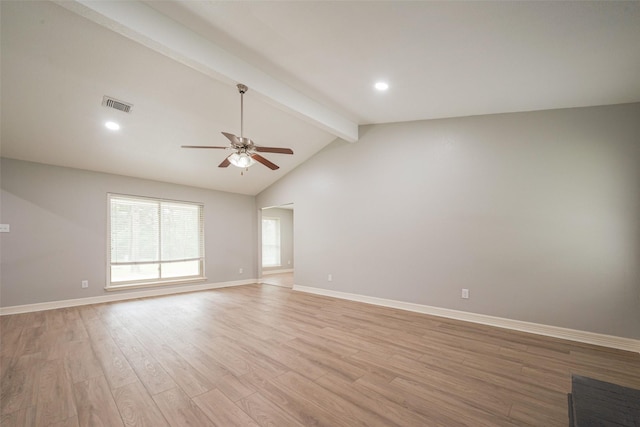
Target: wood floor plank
181	372
298	407
115	366
19	386
146	367
127	342
357	395
530	413
266	355
472	391
180	410
231	361
96	330
320	396
370	345
152	374
374	363
30	341
95	403
69	422
74	330
35	319
87	313
10	336
55	401
202	362
440	409
54	319
330	362
234	388
222	411
20	418
137	407
54	343
81	362
256	360
381	389
15	321
265	412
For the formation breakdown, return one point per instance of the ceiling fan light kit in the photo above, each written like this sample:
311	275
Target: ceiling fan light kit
241	160
245	151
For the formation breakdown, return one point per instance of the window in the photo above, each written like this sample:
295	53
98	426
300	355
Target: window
270	242
154	241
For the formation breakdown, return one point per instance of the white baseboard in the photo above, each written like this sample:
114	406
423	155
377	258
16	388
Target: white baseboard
611	341
286	270
111	297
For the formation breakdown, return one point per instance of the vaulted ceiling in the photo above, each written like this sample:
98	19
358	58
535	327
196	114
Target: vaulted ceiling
310	67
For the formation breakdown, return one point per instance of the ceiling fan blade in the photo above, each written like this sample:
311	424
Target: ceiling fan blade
273	150
224	163
267	163
203	146
234	139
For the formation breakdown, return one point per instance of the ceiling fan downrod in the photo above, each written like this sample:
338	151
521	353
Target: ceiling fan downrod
242	89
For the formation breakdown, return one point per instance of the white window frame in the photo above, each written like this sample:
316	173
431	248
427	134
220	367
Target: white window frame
156	281
279	261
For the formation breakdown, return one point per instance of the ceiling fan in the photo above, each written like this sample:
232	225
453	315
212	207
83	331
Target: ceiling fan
245	152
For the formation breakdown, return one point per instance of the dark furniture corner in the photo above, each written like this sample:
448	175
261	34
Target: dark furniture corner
598	403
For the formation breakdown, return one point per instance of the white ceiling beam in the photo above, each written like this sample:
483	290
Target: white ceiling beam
151	28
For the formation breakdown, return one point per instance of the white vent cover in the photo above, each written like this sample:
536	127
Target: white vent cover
109	102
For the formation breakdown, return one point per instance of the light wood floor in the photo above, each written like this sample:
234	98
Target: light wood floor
266	355
278	279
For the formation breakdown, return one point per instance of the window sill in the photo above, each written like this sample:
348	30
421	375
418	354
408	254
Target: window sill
154	284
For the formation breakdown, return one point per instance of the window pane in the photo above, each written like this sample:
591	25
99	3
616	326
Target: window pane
180	231
128	273
180	269
134	231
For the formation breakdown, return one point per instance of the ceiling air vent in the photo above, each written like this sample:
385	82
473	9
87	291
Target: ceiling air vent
109	102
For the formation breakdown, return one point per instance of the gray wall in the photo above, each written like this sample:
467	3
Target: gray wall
286	237
538	214
58	219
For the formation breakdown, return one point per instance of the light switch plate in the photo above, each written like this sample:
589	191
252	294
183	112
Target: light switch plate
5	228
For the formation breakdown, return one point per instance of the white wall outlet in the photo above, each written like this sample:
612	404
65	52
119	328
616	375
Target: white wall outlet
5	228
85	284
240	270
330	278
465	294
289	262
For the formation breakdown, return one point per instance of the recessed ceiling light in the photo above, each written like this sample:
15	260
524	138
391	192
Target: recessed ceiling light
112	125
381	86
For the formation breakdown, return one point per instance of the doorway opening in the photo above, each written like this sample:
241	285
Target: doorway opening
276	245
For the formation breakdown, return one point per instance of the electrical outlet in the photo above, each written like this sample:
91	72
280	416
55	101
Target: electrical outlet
329	278
465	294
85	284
240	270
